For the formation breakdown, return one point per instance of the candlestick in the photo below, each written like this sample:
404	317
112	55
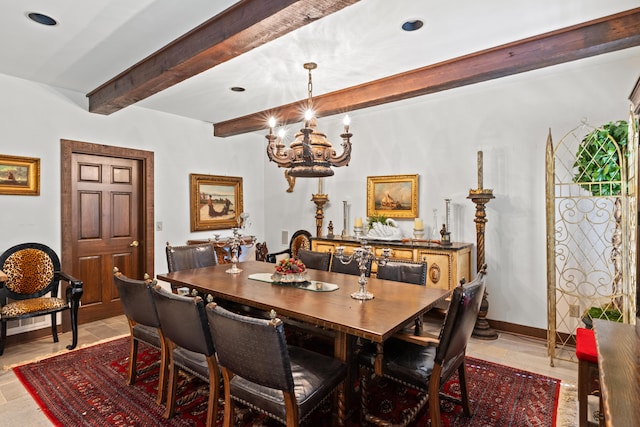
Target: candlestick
480	169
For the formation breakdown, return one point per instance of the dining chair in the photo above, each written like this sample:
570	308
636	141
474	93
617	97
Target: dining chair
31	286
315	260
428	366
137	302
184	328
301	239
352	267
403	271
186	257
284	382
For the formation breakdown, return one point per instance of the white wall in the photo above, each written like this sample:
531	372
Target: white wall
35	117
435	136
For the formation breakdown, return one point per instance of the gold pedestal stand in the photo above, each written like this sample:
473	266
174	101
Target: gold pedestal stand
481	197
320	200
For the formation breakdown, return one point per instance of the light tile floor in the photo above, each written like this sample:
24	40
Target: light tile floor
18	408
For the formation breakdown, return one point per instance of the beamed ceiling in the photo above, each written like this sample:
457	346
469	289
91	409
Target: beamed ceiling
176	59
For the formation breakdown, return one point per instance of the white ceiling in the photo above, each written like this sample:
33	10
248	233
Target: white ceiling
96	40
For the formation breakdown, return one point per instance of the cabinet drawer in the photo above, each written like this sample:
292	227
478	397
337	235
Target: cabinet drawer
322	247
397	253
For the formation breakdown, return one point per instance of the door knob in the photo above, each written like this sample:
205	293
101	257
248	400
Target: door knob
134	244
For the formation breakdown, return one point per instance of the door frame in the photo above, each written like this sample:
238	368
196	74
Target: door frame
70	147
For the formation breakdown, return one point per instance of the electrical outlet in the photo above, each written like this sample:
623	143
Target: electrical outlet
285	237
574	310
159	226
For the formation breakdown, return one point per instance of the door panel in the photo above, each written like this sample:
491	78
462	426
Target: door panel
107	205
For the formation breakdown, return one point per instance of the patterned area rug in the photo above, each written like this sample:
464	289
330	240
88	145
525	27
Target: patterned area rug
87	388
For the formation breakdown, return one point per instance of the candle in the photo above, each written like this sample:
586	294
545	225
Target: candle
346	122
358	222
418	225
320	185
272	124
480	170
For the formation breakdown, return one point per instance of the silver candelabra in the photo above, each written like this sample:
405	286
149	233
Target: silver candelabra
363	256
235	241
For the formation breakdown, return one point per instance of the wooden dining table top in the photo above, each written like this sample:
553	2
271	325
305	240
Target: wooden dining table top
395	304
618	347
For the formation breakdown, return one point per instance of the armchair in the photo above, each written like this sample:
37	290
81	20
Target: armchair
33	271
428	366
301	239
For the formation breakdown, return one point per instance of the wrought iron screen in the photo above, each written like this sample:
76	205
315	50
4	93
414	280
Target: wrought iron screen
591	241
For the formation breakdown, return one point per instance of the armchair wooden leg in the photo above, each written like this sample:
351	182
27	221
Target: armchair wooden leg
434	396
76	294
133	357
464	394
54	327
214	390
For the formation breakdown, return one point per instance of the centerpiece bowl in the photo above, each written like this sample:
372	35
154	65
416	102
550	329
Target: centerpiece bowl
290	270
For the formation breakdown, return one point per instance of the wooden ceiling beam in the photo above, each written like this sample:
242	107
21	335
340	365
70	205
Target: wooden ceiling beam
607	34
240	28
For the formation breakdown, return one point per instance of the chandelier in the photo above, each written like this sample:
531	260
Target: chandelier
310	155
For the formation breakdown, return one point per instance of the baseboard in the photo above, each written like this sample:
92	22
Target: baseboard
516	329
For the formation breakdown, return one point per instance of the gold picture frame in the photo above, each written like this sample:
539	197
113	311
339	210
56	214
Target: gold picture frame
19	175
394	196
216	201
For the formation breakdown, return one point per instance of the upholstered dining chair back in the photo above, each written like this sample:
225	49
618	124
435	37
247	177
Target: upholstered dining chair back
190	256
338	266
137	302
403	271
31	288
428	365
184	327
315	260
285	382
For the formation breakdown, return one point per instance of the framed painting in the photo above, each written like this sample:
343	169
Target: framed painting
216	201
19	175
394	196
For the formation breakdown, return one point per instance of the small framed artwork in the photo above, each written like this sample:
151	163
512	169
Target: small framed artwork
19	175
394	196
216	201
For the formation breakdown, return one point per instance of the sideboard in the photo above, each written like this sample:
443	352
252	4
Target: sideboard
446	265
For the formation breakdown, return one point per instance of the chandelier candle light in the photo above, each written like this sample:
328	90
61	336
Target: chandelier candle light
310	155
362	255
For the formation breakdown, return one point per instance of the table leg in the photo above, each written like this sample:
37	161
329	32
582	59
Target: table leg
343	351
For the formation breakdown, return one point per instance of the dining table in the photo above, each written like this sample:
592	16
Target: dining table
618	346
323	301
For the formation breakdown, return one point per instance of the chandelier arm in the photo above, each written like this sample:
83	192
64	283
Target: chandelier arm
342	159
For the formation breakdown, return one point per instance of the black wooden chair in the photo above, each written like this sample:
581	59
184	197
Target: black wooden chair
33	271
284	382
352	267
136	297
301	239
403	271
183	326
315	260
427	367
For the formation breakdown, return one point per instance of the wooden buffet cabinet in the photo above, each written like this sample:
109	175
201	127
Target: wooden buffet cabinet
446	265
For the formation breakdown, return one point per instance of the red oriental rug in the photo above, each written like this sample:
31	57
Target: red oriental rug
87	388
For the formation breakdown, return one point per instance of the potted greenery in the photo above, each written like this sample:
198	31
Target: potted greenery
597	158
605	312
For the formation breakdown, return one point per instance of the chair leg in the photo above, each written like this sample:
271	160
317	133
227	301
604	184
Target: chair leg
133	358
464	394
164	369
172	385
214	390
3	336
228	401
54	327
434	396
75	304
583	392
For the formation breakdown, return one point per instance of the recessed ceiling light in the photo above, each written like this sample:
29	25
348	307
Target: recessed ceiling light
237	89
412	25
41	19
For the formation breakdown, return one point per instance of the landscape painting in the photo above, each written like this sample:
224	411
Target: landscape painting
216	202
394	196
19	175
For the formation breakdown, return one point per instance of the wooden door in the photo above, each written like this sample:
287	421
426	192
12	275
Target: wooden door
107	224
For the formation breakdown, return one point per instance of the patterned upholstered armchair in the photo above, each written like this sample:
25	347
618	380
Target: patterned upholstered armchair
31	288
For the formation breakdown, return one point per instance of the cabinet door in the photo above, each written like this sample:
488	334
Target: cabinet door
438	270
322	246
397	253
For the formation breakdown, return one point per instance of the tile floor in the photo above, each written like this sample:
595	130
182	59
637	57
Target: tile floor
18	408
